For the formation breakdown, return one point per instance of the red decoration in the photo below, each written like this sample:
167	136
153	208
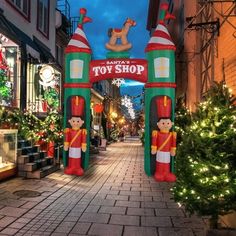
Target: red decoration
82	11
163	104
109	125
3	63
50	149
98	108
77	106
160	85
44	105
77	85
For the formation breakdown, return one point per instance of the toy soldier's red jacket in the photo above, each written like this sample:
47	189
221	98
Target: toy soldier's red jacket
75	138
163	141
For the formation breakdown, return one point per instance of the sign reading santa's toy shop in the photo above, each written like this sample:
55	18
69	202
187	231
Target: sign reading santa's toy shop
118	68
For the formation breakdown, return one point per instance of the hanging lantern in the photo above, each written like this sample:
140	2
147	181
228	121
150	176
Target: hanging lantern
98	108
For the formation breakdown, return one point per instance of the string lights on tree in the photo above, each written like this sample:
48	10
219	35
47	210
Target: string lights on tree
205	163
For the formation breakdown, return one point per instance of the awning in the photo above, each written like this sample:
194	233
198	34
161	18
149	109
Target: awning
45	54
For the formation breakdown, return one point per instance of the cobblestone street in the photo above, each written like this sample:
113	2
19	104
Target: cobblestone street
114	197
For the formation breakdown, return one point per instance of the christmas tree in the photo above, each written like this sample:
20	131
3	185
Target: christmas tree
182	118
206	158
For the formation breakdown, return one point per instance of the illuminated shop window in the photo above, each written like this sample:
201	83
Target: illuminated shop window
9	73
162	67
76	69
43	88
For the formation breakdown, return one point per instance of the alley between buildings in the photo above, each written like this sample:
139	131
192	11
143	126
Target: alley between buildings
114	197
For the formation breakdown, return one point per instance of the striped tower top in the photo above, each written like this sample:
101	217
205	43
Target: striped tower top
160	39
79	42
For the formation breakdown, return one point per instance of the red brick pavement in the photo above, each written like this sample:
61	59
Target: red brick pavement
114	197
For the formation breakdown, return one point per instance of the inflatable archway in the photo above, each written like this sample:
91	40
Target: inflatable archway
157	71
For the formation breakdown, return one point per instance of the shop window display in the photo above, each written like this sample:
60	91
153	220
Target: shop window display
8	147
43	88
42	16
9	84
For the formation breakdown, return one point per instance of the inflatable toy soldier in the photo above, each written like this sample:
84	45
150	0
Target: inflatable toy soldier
163	141
75	137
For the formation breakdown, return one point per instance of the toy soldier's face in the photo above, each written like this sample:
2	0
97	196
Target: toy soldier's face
164	124
76	122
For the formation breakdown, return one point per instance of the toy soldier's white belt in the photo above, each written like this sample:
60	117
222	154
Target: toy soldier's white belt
163	157
74	152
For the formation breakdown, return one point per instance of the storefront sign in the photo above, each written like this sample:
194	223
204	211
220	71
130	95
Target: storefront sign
118	68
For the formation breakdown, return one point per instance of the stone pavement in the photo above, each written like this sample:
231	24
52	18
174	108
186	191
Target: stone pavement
113	198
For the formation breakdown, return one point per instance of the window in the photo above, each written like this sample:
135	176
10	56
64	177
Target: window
76	69
162	67
9	75
23	6
43	94
43	17
181	27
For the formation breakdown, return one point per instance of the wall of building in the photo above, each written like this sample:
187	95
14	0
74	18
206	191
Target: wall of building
188	56
176	28
225	56
30	27
192	57
34	50
187	52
